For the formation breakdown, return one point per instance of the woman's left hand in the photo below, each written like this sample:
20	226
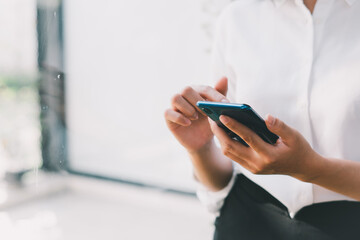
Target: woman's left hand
291	155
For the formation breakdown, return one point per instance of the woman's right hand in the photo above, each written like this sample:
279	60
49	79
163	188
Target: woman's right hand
186	122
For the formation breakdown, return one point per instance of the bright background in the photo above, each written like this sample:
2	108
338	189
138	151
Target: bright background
123	60
123	64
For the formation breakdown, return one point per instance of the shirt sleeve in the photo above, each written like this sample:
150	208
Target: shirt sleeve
213	201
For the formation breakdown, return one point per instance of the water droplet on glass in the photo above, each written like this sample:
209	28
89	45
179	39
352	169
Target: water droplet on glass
54	14
58	76
45	107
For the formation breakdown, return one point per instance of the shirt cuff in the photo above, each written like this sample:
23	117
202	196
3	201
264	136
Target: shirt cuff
213	201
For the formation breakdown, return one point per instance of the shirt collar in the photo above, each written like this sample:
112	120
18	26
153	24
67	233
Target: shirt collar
278	3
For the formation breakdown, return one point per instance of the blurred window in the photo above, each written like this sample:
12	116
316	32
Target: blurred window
84	84
19	102
123	62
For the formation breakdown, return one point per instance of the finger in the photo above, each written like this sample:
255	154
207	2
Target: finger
172	117
222	86
246	164
250	137
179	103
192	96
236	150
210	94
229	145
278	127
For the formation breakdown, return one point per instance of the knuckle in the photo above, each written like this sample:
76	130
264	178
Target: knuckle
175	99
187	90
192	112
205	89
260	169
279	124
177	118
295	132
208	88
255	170
247	138
268	161
225	153
226	149
276	123
295	135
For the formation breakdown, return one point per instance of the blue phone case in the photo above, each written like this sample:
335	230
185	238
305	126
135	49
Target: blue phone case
242	113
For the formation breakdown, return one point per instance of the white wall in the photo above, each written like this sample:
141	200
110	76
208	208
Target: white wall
124	61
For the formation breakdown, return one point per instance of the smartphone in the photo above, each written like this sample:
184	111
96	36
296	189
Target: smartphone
243	113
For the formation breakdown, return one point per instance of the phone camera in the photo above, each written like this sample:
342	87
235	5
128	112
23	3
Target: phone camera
208	111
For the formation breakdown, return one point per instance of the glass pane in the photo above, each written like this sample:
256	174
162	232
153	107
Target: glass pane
88	82
124	60
19	103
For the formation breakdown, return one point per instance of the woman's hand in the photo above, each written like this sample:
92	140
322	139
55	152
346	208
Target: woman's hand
291	155
186	122
192	129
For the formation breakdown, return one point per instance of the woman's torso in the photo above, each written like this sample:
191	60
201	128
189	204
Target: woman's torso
305	70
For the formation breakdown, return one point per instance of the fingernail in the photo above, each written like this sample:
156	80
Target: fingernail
225	100
187	122
270	119
224	119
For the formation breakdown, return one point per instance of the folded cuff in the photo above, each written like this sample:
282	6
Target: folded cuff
213	201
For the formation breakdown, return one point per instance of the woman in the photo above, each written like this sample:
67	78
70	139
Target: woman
300	61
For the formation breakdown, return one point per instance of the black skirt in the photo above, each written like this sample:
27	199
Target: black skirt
251	213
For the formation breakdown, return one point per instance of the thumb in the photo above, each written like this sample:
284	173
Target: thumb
278	127
222	86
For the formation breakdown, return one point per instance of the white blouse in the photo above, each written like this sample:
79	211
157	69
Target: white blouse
300	67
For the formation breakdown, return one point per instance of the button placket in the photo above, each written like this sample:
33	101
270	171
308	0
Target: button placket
305	77
320	14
